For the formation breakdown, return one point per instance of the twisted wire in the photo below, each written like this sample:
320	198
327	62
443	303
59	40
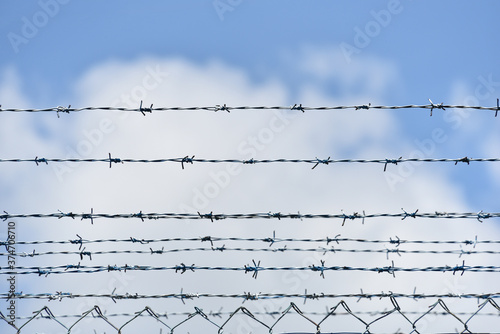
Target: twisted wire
254	270
246	296
184	160
397	241
269	215
239	249
220	313
224	107
341	308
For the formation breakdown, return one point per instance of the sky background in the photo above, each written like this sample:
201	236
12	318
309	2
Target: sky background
249	53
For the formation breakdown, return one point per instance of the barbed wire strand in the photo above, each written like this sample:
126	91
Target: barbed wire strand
223	248
271	240
341	308
269	215
220	313
191	160
225	107
253	269
247	296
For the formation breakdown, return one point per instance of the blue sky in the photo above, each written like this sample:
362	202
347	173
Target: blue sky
433	44
260	53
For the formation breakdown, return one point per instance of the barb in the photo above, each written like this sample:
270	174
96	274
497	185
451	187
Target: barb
437	106
391	269
297	107
187	160
222	108
182	268
113	160
60	109
364	106
145	110
88	216
406	214
255	269
321	268
392	161
76	241
41	160
319	161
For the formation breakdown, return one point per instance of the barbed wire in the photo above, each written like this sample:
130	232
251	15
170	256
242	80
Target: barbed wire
252	269
341	308
247	296
224	107
219	313
271	240
223	248
269	215
191	160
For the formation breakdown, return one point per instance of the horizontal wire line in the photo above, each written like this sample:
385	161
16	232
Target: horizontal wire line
218	314
248	296
340	308
269	215
224	107
238	249
71	269
270	240
186	160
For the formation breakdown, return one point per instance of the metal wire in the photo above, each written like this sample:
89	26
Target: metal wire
238	249
190	160
248	296
273	314
224	107
271	240
269	215
342	308
254	270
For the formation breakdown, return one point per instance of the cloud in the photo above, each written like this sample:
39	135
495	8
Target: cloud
222	188
368	75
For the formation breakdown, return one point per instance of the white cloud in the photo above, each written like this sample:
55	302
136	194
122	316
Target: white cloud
255	188
369	75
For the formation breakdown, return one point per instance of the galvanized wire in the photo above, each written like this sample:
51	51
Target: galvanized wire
219	313
269	215
224	107
252	269
284	249
248	296
317	325
191	160
271	240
